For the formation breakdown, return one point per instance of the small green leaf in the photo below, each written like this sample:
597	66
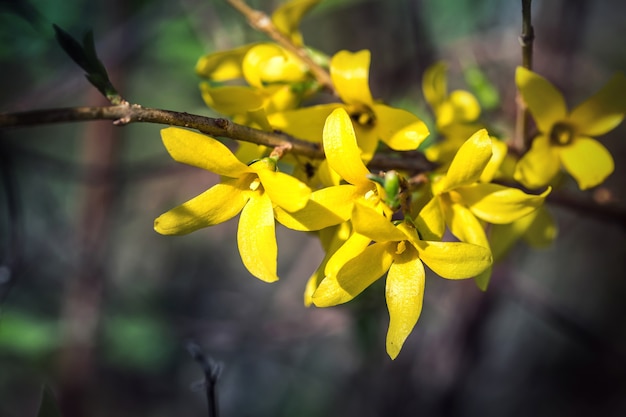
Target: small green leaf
86	57
485	91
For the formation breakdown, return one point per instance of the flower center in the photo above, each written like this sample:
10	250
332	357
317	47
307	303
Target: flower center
401	247
362	115
561	134
255	184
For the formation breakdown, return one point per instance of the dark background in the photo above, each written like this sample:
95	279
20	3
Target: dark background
99	307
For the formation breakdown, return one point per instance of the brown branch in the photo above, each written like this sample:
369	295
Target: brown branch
413	162
522	138
262	22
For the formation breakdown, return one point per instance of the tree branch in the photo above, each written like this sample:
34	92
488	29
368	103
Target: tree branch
262	22
522	139
412	162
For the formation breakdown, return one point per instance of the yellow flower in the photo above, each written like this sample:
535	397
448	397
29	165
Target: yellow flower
372	121
459	200
400	252
565	138
253	190
333	205
456	113
287	18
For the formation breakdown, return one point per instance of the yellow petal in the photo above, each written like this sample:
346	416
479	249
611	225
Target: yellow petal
404	292
401	130
454	260
287	18
604	110
355	276
468	164
332	238
341	149
367	140
350	75
231	100
498	204
326	207
284	190
434	84
351	248
499	152
430	222
269	63
588	161
460	107
306	123
216	205
202	151
256	238
222	66
544	101
539	165
463	224
374	225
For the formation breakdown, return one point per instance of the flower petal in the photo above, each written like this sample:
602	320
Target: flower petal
539	165
287	18
401	130
374	225
284	190
429	222
202	151
350	75
454	260
306	123
463	224
588	161
434	84
542	229
326	207
216	205
341	149
404	292
499	152
351	248
604	110
269	63
224	65
498	204
544	101
468	164
355	276
256	238
231	99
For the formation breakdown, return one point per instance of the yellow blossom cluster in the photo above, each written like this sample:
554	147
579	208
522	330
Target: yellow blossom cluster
455	219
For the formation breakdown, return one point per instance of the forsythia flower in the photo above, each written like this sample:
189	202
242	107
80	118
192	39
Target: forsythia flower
400	252
459	200
271	72
253	190
398	128
332	205
565	138
456	113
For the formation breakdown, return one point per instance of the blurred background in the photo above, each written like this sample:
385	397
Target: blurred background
100	308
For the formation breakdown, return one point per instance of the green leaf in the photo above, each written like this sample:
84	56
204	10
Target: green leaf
86	57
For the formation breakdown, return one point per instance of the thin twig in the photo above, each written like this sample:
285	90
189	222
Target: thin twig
522	139
124	114
212	371
262	22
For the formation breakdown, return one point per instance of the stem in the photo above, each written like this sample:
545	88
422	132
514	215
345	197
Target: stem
124	114
262	22
522	139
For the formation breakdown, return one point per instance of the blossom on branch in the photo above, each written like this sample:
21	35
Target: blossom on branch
252	190
565	138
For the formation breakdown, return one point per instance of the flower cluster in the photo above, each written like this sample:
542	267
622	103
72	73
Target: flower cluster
455	219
